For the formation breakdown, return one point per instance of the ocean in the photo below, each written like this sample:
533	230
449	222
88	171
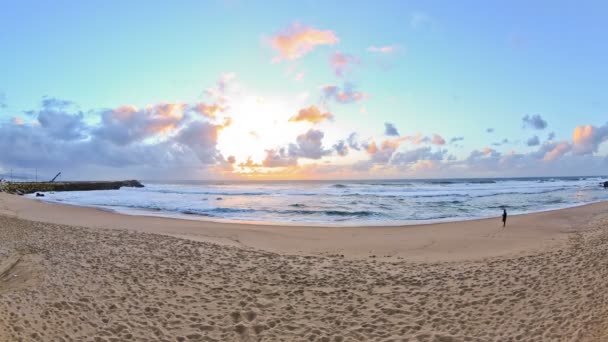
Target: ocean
344	203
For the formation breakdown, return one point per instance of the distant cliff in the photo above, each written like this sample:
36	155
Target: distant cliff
31	187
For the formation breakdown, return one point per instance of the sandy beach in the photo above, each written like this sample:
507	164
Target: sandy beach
82	274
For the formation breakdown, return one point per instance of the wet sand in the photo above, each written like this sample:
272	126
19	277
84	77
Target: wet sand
73	274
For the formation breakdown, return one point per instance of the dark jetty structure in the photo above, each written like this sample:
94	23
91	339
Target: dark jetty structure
22	188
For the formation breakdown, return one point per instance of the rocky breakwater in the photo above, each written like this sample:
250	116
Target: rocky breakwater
22	188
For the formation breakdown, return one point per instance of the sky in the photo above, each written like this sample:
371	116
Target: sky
232	89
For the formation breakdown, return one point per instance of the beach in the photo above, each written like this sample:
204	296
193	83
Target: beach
70	273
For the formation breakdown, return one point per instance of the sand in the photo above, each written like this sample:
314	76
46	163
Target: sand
80	274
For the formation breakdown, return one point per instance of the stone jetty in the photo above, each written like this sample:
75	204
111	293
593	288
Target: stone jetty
32	187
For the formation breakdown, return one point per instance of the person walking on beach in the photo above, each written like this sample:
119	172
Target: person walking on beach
504	217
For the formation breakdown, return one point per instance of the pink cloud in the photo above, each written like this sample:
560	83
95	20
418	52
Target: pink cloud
341	63
417	139
437	140
425	165
18	121
382	49
299	40
345	95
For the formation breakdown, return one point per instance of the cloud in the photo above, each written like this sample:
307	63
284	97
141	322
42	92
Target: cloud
551	136
390	129
587	139
489	130
534	122
418	139
311	114
342	63
419	154
533	141
128	124
382	153
298	40
437	140
345	95
59	121
456	139
158	141
388	49
279	158
353	141
250	164
219	93
341	148
309	145
556	150
201	138
486	152
206	110
502	142
18	121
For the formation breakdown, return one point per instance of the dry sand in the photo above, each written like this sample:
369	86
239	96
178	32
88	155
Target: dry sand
544	278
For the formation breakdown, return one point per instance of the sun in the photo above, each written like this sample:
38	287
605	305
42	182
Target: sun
258	124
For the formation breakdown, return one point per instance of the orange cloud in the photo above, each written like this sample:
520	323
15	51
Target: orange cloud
384	152
557	151
372	148
170	110
299	40
209	111
587	139
582	134
311	114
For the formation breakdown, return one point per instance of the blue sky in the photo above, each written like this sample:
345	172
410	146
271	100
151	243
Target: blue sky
454	69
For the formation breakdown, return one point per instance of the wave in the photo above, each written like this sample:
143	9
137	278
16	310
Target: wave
388	184
213	193
339	186
361	213
342	213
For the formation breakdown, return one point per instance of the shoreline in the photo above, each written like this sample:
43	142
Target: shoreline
434	242
146	212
